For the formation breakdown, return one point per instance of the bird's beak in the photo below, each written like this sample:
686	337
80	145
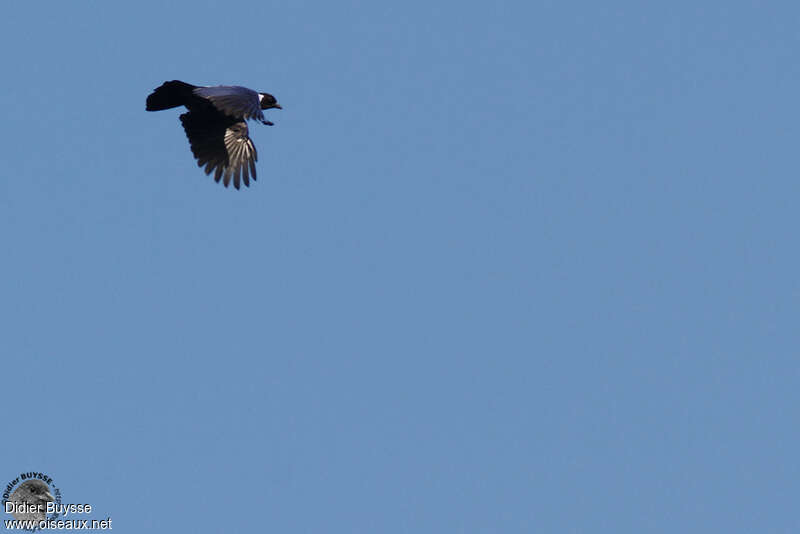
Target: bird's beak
277	106
48	496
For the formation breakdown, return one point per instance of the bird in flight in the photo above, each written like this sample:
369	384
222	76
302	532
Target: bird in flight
216	125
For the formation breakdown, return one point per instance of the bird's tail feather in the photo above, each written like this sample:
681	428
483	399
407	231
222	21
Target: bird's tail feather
170	95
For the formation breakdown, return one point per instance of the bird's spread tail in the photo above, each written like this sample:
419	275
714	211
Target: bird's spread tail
170	95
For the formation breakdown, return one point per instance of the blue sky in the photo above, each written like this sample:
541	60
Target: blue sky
528	267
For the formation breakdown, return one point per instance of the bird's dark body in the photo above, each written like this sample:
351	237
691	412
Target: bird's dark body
216	127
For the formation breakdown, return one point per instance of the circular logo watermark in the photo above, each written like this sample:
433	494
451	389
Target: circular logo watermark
30	496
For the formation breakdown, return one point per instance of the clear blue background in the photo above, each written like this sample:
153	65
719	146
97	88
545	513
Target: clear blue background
519	267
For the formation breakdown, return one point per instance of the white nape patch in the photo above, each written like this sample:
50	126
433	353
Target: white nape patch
261	97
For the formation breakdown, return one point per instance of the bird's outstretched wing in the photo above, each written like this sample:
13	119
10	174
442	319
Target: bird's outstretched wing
233	100
221	145
242	154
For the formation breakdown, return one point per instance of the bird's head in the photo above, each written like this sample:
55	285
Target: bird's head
35	491
268	101
34	495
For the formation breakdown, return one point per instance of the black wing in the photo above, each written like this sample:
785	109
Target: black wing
221	144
